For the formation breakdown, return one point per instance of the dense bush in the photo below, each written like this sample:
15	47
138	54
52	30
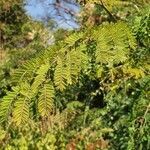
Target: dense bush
88	90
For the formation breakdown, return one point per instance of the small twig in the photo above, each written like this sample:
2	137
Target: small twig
148	107
109	13
144	117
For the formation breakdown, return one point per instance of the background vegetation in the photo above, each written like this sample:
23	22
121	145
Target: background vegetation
85	88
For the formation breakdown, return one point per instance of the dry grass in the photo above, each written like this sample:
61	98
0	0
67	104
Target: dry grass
3	55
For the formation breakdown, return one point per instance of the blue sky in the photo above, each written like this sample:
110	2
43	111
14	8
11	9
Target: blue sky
37	10
34	9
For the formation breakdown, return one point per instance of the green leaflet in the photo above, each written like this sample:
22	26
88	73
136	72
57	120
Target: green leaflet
21	111
25	72
6	104
45	100
70	41
40	78
113	43
59	76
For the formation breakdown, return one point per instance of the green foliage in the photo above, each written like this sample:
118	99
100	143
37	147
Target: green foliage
7	103
114	43
45	101
87	91
142	27
69	61
11	25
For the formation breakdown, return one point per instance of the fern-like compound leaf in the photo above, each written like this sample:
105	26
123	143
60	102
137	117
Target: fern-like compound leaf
45	101
40	78
60	76
70	41
113	43
6	104
21	111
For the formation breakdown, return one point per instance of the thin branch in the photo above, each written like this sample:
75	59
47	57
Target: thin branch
109	13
